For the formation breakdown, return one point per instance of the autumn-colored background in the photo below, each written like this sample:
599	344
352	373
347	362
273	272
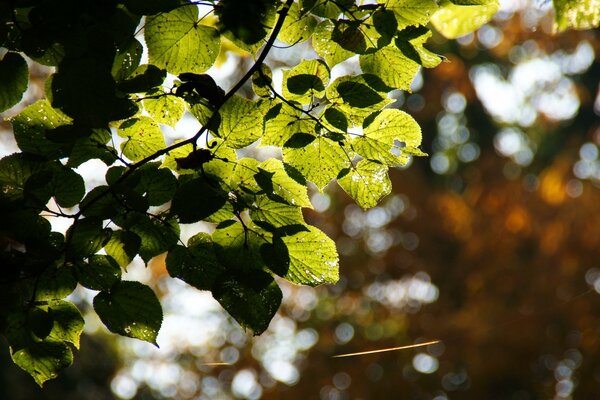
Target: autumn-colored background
490	244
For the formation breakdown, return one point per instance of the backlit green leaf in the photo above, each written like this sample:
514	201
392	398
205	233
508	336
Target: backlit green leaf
130	309
274	213
411	12
298	26
241	122
43	360
579	14
313	258
178	43
391	65
279	186
367	183
157	235
386	136
305	81
238	247
166	109
251	299
31	125
326	47
144	138
282	122
453	20
319	161
356	97
68	322
123	246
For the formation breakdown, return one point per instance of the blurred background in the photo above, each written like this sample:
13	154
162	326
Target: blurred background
491	244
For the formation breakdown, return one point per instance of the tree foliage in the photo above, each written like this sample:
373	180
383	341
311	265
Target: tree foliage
327	130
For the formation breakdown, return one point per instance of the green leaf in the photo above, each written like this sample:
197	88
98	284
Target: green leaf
411	12
262	81
55	283
241	122
367	183
157	235
144	138
197	199
319	161
274	213
178	43
130	309
69	187
95	146
167	110
383	137
279	186
391	66
15	170
43	360
86	237
356	97
453	20
143	79
580	14
410	41
68	322
246	23
196	265
123	246
326	47
239	248
39	322
14	77
243	175
99	273
298	26
157	185
127	59
313	258
31	125
326	8
171	157
363	37
282	122
305	81
99	203
252	300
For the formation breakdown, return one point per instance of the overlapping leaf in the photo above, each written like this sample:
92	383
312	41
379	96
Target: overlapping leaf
313	258
389	138
144	138
178	43
318	158
367	183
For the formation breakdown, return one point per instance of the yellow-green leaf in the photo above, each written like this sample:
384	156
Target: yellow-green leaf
144	138
313	258
453	20
178	43
576	14
367	183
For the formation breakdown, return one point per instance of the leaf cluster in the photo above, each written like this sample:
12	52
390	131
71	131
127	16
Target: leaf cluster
248	213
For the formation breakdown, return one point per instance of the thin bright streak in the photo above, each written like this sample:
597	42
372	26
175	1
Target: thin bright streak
215	364
410	346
